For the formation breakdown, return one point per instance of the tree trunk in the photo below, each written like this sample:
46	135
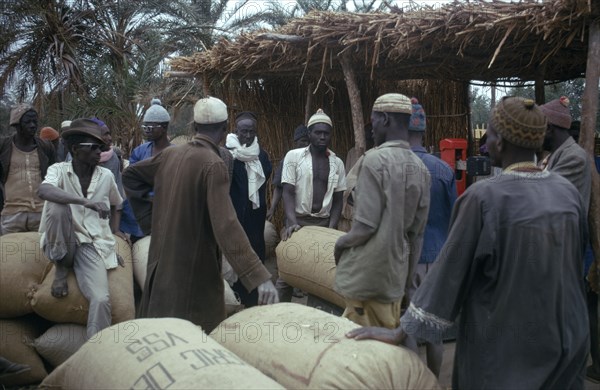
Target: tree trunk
587	133
355	103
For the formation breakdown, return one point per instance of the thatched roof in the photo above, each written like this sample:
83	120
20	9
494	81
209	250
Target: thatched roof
459	41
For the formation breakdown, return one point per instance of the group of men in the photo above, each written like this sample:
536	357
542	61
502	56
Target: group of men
508	256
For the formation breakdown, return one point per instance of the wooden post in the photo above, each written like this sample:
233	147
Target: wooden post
588	130
309	98
355	103
540	93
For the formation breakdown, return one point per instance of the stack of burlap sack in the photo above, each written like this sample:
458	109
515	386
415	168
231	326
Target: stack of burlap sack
268	347
37	329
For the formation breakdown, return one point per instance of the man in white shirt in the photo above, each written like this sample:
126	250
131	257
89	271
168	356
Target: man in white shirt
314	180
78	220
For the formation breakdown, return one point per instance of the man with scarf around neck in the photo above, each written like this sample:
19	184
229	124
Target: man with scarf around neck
24	160
511	267
193	224
251	168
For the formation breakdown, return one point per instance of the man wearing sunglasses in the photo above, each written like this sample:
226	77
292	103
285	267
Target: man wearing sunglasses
79	219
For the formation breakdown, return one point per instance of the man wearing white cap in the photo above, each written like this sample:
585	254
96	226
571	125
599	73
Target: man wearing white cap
376	259
314	180
155	125
192	217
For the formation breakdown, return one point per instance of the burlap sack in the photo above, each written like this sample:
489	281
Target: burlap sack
156	354
16	336
22	267
139	252
74	307
61	341
306	261
305	348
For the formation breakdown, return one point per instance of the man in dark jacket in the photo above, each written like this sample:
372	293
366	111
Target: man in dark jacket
191	217
251	169
24	160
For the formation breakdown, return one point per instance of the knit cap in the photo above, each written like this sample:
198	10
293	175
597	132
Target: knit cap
418	121
156	113
319	117
49	134
558	113
210	110
393	102
17	112
519	121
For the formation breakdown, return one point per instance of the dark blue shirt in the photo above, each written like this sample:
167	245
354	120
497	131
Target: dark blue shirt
443	196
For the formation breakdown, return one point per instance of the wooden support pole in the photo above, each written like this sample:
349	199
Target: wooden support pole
588	129
355	102
309	99
540	93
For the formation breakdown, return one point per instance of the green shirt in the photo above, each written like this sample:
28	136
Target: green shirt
392	196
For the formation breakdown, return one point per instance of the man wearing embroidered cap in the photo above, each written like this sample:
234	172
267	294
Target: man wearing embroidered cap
192	218
567	158
79	220
375	260
570	160
511	267
24	160
314	180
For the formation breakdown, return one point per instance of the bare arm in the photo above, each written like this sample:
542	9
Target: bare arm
336	209
275	199
289	205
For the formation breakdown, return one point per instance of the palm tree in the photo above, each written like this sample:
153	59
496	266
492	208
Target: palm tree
39	47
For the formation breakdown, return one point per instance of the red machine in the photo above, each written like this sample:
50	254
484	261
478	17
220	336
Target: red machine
454	152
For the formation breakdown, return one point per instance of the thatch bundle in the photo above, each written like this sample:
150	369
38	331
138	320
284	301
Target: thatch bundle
477	40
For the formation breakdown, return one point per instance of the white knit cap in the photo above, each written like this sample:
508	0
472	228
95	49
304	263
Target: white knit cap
156	113
319	117
210	110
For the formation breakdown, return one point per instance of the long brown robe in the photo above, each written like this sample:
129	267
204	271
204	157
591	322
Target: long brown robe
512	267
191	216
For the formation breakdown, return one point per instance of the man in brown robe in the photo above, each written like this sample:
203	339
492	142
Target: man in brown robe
192	216
512	267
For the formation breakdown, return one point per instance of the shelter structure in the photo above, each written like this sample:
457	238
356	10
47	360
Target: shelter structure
342	61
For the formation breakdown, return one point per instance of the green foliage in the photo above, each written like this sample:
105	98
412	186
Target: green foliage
480	108
573	89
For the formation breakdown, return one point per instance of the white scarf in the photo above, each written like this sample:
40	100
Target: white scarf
249	155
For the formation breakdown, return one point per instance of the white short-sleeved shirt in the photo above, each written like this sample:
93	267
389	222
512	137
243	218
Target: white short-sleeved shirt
88	226
297	171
